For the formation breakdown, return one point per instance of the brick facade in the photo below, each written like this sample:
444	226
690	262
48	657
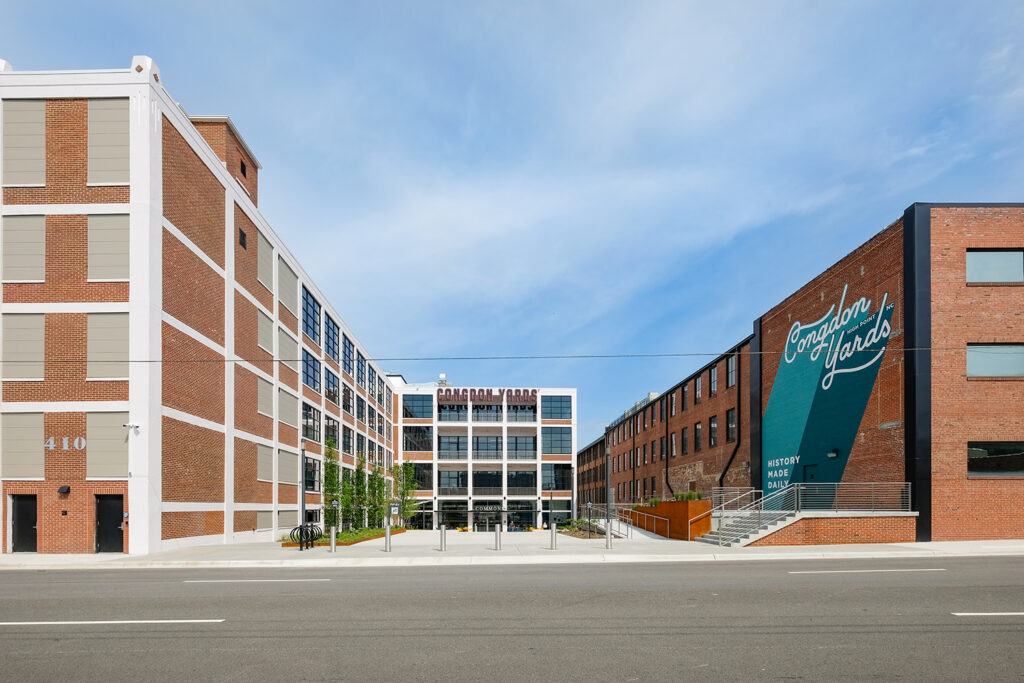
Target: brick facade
836	530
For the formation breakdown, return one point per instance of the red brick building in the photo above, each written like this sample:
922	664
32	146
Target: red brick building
170	374
903	362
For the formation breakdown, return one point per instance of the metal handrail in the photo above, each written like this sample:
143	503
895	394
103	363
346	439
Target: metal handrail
630	510
721	507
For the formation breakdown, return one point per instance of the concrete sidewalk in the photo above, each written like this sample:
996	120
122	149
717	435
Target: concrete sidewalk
420	548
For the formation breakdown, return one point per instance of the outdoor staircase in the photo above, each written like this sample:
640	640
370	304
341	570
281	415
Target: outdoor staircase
745	530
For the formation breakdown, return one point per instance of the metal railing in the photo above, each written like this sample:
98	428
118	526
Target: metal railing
801	497
452	455
486	490
516	416
643	520
486	454
522	455
742	497
522	490
453	491
487	416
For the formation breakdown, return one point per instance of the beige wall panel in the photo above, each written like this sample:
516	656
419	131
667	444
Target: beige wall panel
22	445
265	396
23	353
107	346
287	467
288	286
24	248
287	408
106	445
265	331
287	349
24	142
108	141
108	247
264	261
264	462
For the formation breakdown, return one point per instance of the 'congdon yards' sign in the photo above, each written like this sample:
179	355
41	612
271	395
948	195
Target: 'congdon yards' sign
822	386
451	395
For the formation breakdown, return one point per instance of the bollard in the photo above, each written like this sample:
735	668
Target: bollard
608	533
442	538
334	539
497	537
554	536
387	538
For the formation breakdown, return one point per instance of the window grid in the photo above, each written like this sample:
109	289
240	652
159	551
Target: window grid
331	334
310	370
310	315
346	354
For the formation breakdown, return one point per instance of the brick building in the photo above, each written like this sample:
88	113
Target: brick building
166	362
903	362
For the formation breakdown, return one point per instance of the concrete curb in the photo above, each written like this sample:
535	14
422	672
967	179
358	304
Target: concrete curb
483	561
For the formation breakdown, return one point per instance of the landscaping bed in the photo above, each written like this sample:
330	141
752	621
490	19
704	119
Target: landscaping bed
350	537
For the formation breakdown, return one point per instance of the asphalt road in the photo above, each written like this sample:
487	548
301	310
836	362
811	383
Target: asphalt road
699	621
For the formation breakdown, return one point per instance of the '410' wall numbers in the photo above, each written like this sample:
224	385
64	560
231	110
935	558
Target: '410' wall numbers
65	443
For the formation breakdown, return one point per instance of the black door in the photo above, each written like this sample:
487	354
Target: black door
109	524
23	522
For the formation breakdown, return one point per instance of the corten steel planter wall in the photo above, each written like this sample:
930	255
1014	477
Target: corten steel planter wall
678	513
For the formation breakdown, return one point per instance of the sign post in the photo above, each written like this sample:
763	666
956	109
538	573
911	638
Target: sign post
334	527
387	527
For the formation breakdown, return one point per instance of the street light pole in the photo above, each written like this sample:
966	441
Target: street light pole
302	483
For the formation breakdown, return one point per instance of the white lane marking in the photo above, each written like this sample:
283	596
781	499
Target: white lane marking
987	614
120	621
865	571
253	580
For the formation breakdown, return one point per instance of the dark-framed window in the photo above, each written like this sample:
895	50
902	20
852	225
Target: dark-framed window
685	393
332	387
995	360
387	399
556	439
310	370
661	449
713	430
346	354
696	437
346	398
371	382
312	475
730	371
452	412
360	409
490	445
331	336
556	476
418	406
522	447
995	458
487	412
418	438
661	409
380	389
423	475
310	315
522	413
556	407
673	447
310	423
346	440
730	425
360	369
995	265
331	432
453	447
713	381
697	389
360	445
371	417
673	410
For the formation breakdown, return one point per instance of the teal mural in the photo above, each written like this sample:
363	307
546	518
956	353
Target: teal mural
820	392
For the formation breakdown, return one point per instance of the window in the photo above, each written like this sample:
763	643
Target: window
264	261
453	447
331	334
423	475
672	445
556	439
371	417
23	345
556	477
360	409
730	371
452	412
264	331
380	389
24	248
994	458
713	430
310	371
697	389
673	410
241	167
360	370
661	409
241	239
995	265
107	346
346	440
310	316
287	349
419	406
108	247
522	447
346	355
487	447
360	445
522	413
24	142
995	360
346	398
387	399
312	478
264	397
661	449
108	141
331	436
645	452
331	387
418	438
287	408
371	381
730	425
487	412
556	407
713	381
521	482
287	286
696	437
452	481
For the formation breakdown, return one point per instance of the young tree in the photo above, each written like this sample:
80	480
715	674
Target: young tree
359	490
331	485
405	484
377	503
348	498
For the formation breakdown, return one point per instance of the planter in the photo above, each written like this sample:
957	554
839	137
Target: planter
678	513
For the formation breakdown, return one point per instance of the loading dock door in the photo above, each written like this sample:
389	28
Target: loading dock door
23	523
109	524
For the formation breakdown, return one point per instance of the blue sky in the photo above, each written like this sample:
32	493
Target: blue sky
493	178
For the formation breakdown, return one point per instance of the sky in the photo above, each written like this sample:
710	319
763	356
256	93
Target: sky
575	178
